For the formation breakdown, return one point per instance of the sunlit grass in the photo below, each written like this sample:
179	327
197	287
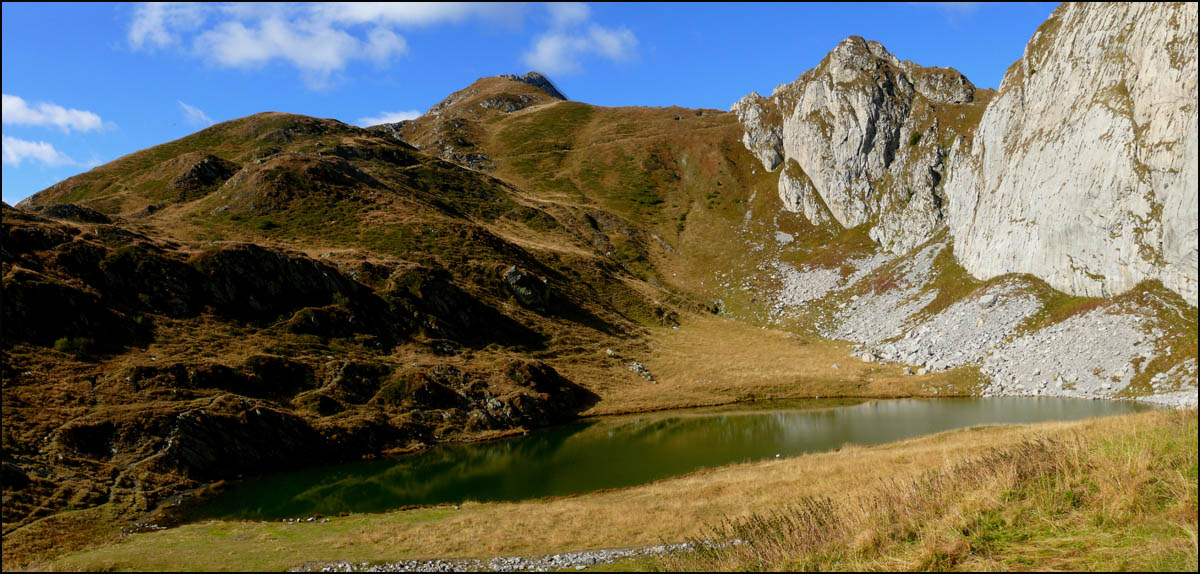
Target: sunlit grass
1120	495
1092	494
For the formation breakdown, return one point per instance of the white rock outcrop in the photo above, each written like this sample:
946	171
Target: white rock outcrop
763	130
799	196
863	137
1083	167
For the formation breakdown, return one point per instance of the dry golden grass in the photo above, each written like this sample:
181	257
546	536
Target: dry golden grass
756	363
1115	494
686	507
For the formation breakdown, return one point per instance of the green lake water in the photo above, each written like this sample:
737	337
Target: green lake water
623	451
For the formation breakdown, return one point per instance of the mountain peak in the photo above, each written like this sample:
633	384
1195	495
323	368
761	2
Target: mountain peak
536	80
504	92
451	127
861	48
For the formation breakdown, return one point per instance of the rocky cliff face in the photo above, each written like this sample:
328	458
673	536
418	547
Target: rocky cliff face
1083	169
863	138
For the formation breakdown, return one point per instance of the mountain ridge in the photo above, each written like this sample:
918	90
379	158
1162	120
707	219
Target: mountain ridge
512	259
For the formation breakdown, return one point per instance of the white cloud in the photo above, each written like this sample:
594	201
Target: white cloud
414	14
572	37
18	150
388	118
318	39
155	23
316	49
615	44
555	54
564	14
953	11
18	112
195	116
382	43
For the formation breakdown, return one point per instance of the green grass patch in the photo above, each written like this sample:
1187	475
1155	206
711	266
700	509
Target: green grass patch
80	347
254	546
952	282
1178	322
1056	307
551	129
831	248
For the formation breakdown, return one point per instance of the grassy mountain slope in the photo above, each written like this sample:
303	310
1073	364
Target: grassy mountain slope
365	296
278	291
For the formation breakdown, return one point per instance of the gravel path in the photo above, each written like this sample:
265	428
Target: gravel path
547	563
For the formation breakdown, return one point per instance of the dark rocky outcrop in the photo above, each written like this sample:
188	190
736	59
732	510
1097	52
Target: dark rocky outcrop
25	233
398	154
523	393
246	280
445	311
274	376
554	398
13	476
329	321
529	290
43	310
357	382
202	177
71	212
297	181
115	277
143	277
538	81
260	376
233	436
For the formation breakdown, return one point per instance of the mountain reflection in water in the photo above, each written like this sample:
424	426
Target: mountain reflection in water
621	451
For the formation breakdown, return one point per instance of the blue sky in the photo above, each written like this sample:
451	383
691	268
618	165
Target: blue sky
85	84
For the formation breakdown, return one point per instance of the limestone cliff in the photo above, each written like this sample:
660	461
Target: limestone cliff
863	138
1083	168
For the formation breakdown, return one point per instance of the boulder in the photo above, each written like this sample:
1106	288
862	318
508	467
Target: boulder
530	291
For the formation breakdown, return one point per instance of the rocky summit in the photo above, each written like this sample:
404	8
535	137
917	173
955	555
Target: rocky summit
865	136
281	291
